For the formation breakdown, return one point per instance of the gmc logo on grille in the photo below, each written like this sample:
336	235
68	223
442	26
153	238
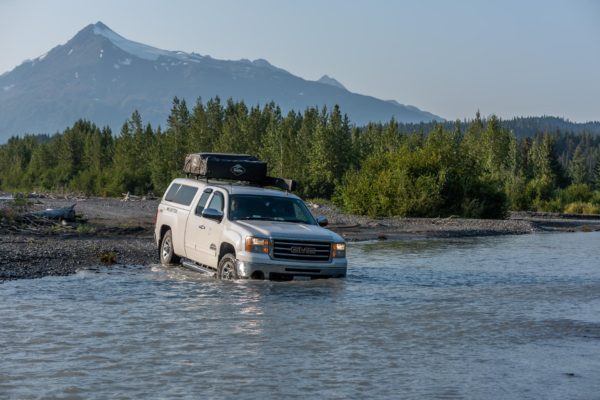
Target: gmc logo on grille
303	250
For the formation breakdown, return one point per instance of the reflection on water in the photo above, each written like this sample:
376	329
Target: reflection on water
419	245
509	317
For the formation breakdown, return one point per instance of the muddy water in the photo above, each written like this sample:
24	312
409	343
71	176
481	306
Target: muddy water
500	318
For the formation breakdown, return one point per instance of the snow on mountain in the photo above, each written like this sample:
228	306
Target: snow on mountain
139	49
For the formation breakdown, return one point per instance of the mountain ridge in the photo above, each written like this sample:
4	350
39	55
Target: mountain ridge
326	79
102	76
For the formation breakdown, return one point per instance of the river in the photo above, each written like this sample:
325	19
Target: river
497	318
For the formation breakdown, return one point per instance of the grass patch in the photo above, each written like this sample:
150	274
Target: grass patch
86	229
20	204
13	208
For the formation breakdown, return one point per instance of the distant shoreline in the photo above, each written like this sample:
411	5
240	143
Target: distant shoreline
121	232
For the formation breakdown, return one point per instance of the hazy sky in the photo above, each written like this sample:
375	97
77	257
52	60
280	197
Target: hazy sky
509	57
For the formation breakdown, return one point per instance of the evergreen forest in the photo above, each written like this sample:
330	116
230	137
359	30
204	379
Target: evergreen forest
478	168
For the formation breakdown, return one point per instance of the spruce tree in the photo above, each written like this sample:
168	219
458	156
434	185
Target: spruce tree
578	167
597	175
200	139
214	121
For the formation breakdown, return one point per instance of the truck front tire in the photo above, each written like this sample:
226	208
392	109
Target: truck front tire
167	253
227	269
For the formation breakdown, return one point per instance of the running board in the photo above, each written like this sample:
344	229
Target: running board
189	264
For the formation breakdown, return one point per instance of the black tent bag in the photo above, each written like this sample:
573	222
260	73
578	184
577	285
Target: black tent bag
240	167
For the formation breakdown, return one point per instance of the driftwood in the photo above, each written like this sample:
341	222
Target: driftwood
60	214
131	197
39	222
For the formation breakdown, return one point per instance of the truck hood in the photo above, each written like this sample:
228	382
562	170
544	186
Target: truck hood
289	230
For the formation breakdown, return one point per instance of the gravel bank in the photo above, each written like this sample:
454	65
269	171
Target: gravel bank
35	257
117	232
121	232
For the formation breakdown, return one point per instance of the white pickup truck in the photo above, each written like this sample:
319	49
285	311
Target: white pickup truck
240	231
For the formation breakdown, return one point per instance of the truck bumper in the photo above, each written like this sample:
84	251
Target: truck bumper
276	271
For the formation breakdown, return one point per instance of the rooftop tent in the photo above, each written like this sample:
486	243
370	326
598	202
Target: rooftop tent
236	167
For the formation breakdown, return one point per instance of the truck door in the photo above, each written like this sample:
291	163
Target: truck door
194	234
212	231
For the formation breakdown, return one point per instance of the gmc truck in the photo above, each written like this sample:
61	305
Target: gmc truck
240	231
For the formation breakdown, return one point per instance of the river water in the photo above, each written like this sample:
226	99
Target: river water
496	318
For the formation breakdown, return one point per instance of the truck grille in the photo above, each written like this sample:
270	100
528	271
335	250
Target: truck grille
298	250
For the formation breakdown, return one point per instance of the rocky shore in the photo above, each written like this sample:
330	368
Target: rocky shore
112	231
107	232
35	257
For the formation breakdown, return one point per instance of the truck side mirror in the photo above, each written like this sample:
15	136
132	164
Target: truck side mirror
211	213
322	221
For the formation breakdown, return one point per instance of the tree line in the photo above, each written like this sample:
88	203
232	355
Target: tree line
521	127
475	169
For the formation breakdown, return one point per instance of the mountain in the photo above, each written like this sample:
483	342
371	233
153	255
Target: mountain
102	76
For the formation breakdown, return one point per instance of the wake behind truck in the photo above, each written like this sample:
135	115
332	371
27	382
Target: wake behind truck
224	219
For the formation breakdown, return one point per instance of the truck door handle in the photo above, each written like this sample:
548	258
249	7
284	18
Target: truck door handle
201	227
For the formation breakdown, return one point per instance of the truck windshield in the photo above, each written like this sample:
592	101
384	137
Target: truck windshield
268	208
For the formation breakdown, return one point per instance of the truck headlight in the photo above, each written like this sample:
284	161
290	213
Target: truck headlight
338	250
257	245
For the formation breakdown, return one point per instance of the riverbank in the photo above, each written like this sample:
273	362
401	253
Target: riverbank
113	231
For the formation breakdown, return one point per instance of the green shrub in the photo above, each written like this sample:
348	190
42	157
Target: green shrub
484	200
518	197
397	183
429	179
577	193
582	208
552	205
539	191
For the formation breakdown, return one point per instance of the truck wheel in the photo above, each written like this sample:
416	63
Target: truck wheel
167	254
227	269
